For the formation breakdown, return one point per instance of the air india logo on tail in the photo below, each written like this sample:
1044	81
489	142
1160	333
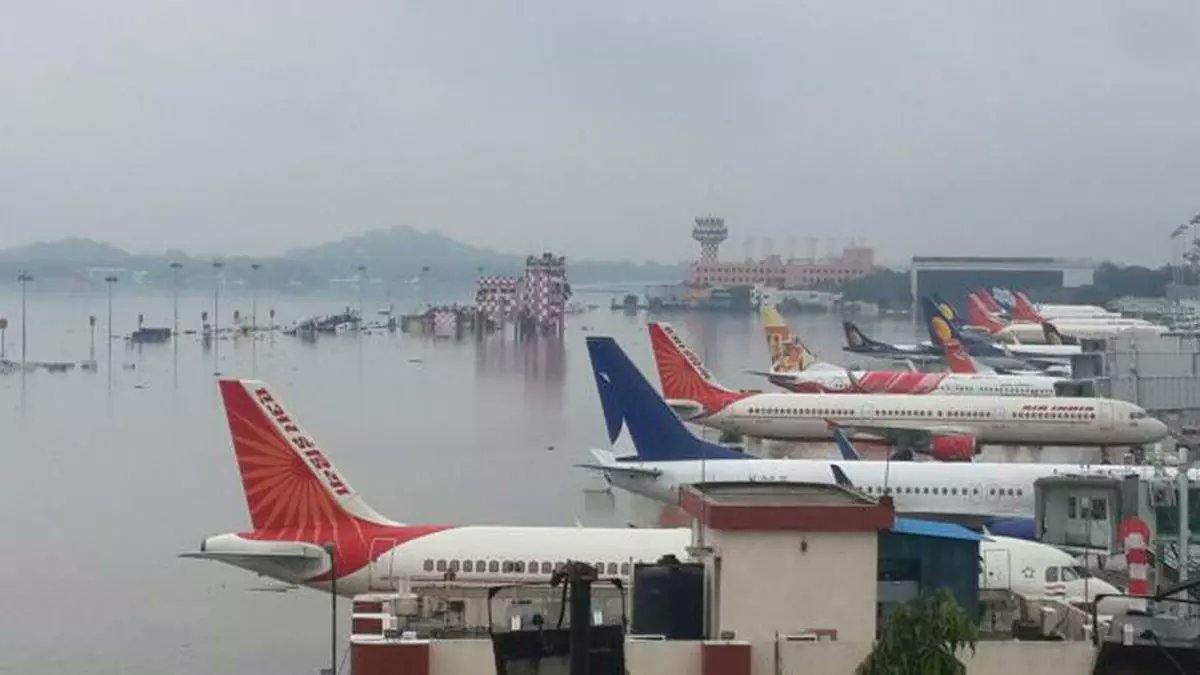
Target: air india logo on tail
301	443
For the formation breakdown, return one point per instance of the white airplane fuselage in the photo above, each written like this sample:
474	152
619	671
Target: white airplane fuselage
462	556
966	491
901	382
989	419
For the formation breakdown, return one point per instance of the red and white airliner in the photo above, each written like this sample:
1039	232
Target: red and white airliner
302	510
947	427
1028	325
795	368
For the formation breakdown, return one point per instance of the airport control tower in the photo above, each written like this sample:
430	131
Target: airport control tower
710	231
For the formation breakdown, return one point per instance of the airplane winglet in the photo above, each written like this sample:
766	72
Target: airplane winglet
844	446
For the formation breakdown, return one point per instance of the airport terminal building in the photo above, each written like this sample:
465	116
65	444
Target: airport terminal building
954	276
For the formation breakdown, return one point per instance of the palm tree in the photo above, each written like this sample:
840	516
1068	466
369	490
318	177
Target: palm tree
923	637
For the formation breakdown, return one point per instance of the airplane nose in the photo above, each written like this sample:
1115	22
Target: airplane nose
1159	429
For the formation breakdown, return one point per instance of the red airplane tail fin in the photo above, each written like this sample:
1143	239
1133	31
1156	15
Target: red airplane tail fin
989	303
683	375
290	484
977	315
957	358
1023	309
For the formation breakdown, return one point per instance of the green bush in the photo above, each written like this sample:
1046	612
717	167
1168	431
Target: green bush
923	637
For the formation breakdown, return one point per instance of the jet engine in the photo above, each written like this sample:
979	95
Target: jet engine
952	448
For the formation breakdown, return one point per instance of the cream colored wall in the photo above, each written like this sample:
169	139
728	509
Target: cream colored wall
1031	658
662	658
460	657
769	585
821	657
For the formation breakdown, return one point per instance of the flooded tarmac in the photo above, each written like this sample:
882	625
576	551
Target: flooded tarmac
112	473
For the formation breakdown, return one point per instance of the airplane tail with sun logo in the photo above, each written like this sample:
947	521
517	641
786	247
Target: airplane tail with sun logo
788	353
690	389
290	484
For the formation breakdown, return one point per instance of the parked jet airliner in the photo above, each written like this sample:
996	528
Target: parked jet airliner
948	427
299	503
793	367
669	456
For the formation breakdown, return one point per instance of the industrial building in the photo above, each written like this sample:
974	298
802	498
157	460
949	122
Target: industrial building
772	270
954	277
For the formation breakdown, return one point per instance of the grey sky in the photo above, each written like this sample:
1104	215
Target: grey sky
600	129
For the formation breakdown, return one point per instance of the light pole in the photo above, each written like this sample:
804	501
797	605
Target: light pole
331	549
175	299
3	328
216	322
254	297
110	280
362	279
92	339
24	278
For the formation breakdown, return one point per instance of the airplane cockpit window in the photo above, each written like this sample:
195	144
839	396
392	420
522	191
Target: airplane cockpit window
1069	574
1051	575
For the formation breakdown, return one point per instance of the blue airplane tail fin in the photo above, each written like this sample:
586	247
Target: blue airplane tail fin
629	401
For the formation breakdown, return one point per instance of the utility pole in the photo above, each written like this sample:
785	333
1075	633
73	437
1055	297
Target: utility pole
110	280
331	549
175	299
254	297
24	278
217	267
362	279
1185	530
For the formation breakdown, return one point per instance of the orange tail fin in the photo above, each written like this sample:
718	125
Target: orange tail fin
289	482
682	374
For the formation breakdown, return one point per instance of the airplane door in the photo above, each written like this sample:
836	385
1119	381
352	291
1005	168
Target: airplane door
978	493
381	574
996	574
1105	411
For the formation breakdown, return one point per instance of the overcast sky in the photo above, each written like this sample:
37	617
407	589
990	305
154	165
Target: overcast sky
600	129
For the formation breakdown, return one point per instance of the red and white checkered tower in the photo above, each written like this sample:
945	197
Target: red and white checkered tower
710	231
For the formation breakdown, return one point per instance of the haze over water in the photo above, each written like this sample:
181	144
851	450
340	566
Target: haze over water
107	483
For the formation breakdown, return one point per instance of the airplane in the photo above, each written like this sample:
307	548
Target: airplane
941	321
1035	570
1048	311
857	342
1024	310
946	427
299	504
1053	351
1028	326
789	356
668	456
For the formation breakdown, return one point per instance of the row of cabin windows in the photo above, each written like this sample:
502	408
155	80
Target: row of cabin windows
972	414
909	490
1055	416
513	566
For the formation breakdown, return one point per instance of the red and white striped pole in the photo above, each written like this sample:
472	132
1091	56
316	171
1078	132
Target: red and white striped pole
1134	533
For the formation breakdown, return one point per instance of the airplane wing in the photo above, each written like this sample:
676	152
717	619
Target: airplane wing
788	377
907	434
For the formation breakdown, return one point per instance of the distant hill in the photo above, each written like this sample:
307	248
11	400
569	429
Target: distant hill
393	257
72	249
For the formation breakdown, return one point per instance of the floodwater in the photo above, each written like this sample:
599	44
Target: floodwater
111	474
